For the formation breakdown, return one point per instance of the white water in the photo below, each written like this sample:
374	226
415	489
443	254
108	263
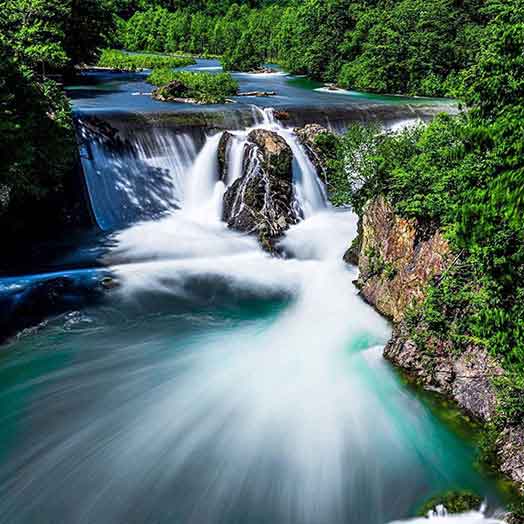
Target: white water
289	417
293	411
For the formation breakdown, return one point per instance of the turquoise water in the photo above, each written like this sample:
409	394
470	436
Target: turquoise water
176	373
103	91
224	387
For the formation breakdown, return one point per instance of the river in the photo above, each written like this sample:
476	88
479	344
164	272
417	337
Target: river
214	383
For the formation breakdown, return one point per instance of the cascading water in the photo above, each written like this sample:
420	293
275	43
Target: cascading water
141	178
219	384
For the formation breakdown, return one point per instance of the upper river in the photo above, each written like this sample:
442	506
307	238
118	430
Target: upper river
214	383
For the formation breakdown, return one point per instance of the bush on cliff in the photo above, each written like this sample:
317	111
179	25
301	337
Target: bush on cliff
202	87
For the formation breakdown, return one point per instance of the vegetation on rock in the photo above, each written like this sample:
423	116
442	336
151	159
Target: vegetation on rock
463	175
201	87
453	501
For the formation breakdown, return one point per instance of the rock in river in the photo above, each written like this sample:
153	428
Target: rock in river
260	202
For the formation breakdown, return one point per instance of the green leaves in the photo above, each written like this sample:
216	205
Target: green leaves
203	87
123	61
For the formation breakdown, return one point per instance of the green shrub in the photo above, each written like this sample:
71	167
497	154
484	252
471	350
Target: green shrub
203	87
243	57
453	501
132	62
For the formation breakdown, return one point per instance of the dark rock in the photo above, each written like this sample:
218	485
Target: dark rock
30	305
224	146
173	91
282	115
109	283
261	201
307	136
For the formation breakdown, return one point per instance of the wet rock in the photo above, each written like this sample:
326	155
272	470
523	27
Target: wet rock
109	283
282	115
224	146
317	153
30	305
260	202
274	154
466	378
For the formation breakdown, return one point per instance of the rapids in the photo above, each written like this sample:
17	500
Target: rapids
216	384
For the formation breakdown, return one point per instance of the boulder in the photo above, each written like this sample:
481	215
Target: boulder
260	202
173	91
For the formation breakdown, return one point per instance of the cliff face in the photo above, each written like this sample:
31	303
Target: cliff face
396	266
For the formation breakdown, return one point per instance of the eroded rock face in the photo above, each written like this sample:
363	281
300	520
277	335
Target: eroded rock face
397	263
260	202
510	453
466	377
395	267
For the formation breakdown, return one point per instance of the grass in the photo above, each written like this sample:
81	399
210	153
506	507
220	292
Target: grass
123	61
202	87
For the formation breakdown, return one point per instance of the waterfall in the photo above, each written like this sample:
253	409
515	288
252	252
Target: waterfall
138	178
155	171
218	384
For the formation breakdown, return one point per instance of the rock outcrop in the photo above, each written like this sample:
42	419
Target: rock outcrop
395	266
397	263
307	136
260	202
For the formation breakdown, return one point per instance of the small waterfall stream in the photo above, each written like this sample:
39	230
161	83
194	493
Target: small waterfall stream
218	384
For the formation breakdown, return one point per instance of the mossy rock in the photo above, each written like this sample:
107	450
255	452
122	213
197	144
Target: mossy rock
454	502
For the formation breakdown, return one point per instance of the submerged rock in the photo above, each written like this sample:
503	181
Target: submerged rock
453	502
260	202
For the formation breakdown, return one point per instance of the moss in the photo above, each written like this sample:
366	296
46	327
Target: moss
453	501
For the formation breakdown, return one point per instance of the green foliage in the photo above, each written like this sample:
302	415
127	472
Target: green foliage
203	87
410	47
463	175
454	501
55	34
123	61
36	141
243	57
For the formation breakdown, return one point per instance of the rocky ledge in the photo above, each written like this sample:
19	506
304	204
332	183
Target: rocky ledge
260	202
398	259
